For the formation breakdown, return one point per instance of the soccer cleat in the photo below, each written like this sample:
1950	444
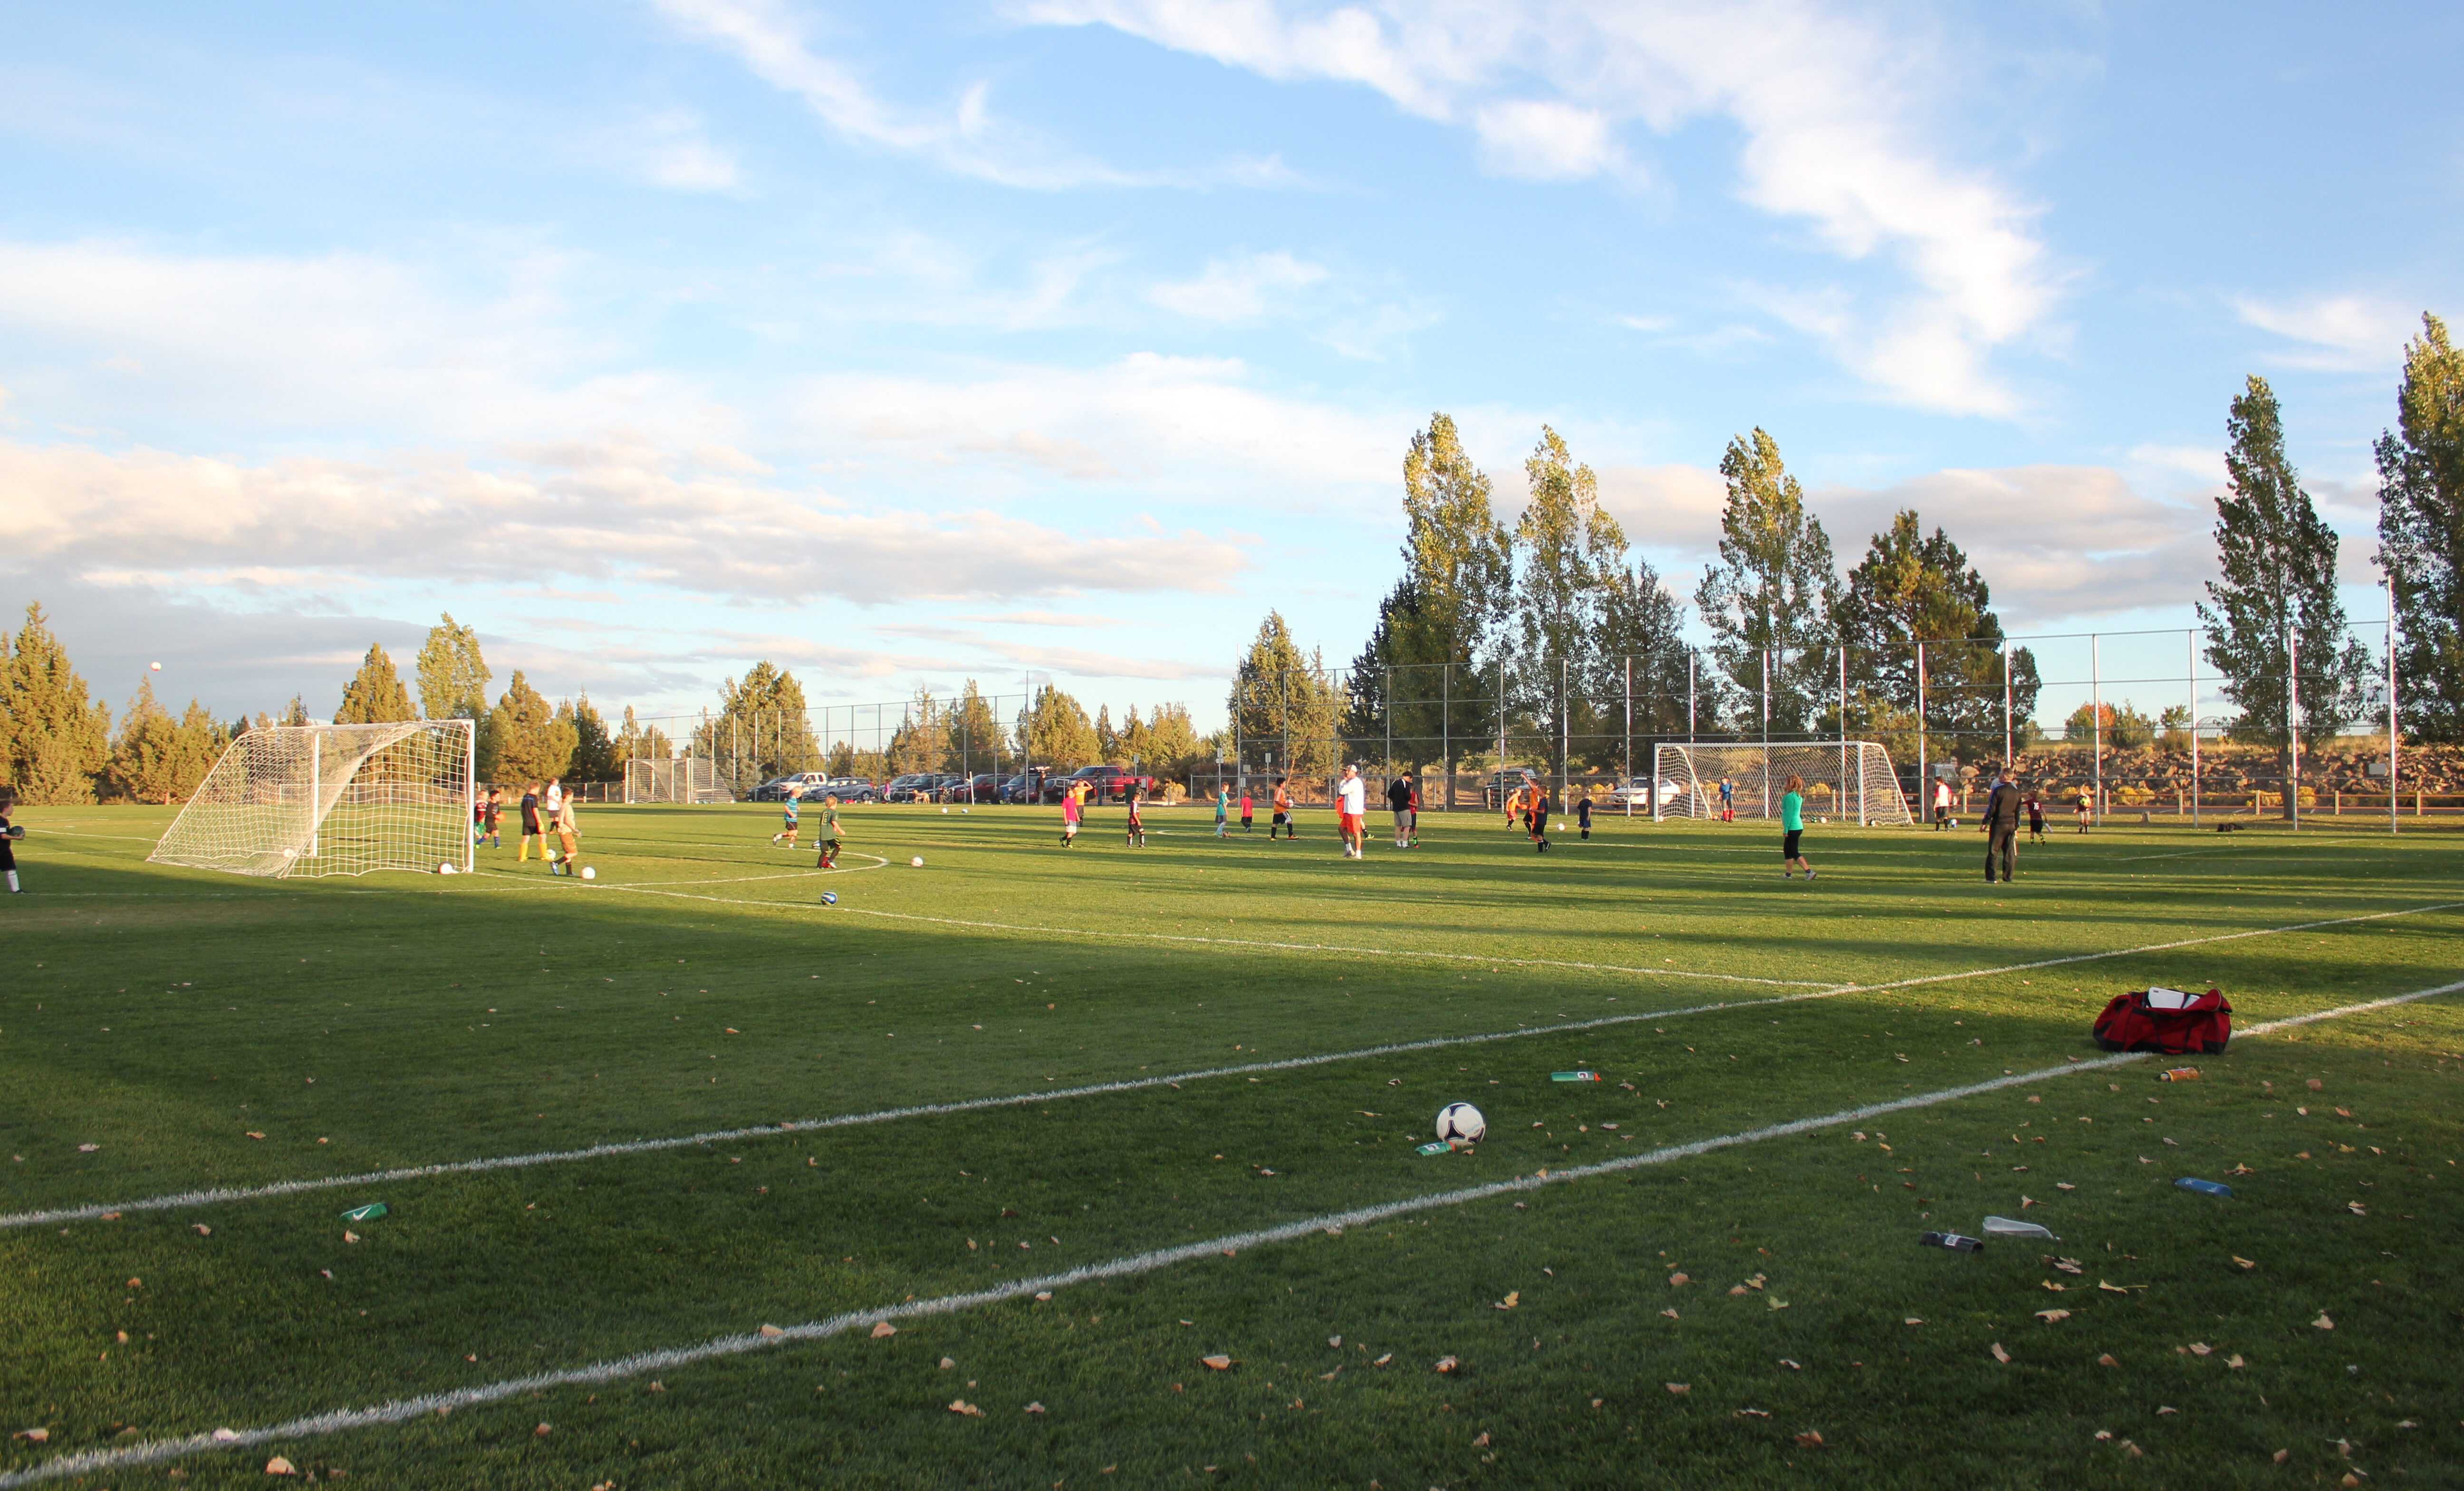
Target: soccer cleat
1808	875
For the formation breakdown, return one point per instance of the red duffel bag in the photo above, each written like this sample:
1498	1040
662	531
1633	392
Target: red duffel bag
2167	1020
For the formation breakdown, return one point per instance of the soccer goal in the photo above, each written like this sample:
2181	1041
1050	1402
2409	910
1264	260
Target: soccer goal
331	800
1850	781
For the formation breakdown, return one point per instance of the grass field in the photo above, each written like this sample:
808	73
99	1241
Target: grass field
166	1032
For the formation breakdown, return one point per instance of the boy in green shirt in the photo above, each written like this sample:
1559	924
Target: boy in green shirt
830	832
1792	822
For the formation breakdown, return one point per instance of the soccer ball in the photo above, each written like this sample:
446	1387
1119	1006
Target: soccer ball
154	667
445	869
918	861
830	898
945	812
588	873
1460	1122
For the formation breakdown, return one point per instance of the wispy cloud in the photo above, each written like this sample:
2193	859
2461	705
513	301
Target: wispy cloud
2336	333
1243	287
1835	108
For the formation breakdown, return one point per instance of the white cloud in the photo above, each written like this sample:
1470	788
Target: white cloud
610	511
1239	289
1835	108
2338	333
672	149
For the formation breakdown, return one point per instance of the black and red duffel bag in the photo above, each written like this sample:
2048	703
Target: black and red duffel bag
2167	1020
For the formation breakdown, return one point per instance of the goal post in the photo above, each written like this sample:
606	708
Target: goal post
1850	781
332	799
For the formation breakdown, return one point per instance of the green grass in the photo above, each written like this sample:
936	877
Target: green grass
165	1016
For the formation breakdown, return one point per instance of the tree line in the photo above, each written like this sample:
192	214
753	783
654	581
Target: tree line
1528	629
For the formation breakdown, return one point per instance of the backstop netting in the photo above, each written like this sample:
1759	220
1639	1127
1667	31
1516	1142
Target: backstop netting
1847	779
331	800
687	779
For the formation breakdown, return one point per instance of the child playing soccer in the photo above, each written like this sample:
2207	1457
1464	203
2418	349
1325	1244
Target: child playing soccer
1583	812
1222	810
1538	818
495	817
1070	812
1792	823
789	807
1135	836
1415	816
2087	808
2036	819
531	826
566	831
1244	811
1728	801
830	860
10	833
1283	818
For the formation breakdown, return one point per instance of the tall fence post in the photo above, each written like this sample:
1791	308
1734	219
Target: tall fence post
1390	720
1626	758
1843	733
1446	725
2393	807
1691	657
2095	725
2293	726
1924	765
2190	642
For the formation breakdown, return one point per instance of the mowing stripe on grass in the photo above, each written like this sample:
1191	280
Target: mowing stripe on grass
400	1410
513	1162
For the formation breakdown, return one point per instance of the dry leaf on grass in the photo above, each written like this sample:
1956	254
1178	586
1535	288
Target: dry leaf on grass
88	1148
1042	1296
1739	1289
771	1332
2355	1208
203	1231
2235	1361
279	1466
2114	1288
1035	1408
1743	1412
2108	1360
1912	1320
34	1436
1222	1363
1790	1365
1483	1442
1679	1281
2281	1456
2317	1085
1512	1298
2200	1348
947	1363
253	1134
961	1406
2324	1322
2243	1261
1999	1354
1680	1388
1671	1314
1810	1440
883	1328
542	1431
2050	1316
1334	1341
350	1236
1448	1363
1383	1360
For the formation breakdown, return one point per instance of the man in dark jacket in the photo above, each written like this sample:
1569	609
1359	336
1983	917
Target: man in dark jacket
2002	825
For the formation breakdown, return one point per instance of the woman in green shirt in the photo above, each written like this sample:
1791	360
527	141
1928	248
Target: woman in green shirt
1792	822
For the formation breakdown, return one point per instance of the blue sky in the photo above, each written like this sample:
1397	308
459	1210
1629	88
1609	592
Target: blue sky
903	344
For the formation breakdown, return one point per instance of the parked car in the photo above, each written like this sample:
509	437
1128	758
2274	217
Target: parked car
812	782
1111	784
983	787
1017	789
1641	792
910	788
850	790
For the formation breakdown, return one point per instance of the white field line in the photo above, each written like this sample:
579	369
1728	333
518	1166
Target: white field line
399	1410
512	1162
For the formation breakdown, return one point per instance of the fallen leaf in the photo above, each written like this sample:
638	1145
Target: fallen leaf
2104	1434
1999	1354
2047	1284
947	1363
88	1148
1739	1289
2201	1349
2243	1261
1035	1408
2281	1456
883	1328
36	1435
2317	1085
1743	1412
1810	1440
349	1235
2052	1315
2026	1202
962	1406
1334	1341
1448	1363
1383	1360
279	1466
771	1332
1042	1296
1512	1298
2110	1288
1222	1363
2067	1265
1790	1365
2343	1113
2162	1412
2235	1361
1679	1281
2355	1208
541	1432
203	1231
2351	1480
2108	1360
253	1134
1671	1314
1680	1388
2324	1322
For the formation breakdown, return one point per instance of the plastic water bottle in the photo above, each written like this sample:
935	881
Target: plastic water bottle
1951	1240
2205	1188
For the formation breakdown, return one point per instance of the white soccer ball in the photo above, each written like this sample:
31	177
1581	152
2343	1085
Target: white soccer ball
945	812
918	861
1460	1122
154	667
445	869
588	873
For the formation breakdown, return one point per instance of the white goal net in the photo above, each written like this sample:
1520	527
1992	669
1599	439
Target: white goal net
1850	781
331	800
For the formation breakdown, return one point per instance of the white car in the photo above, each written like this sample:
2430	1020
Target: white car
1638	792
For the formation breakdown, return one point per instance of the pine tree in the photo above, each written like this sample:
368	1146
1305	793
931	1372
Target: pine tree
921	743
2278	591
594	754
974	733
56	738
376	696
143	759
1911	588
2421	532
524	740
1768	600
452	677
762	726
637	740
1053	732
1285	704
1109	746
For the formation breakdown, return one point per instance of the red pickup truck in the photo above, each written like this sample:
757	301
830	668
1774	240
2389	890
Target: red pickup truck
1110	784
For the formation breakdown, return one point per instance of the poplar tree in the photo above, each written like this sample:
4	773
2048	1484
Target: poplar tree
2276	595
762	722
1582	603
2421	531
974	733
1769	596
55	738
452	677
376	694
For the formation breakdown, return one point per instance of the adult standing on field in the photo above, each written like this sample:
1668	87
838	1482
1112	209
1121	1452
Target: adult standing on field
2002	808
9	835
1352	807
1791	825
1398	798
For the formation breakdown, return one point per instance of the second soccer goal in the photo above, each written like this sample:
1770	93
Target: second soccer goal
1850	781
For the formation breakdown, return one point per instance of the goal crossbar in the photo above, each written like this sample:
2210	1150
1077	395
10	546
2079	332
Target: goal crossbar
331	800
1850	781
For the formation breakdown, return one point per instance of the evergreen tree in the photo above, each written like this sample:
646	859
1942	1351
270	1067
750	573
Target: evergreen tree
376	696
55	738
1169	742
594	754
1110	747
921	743
145	758
524	740
1640	624
1768	600
637	740
1285	704
2278	591
1911	589
2421	532
975	732
452	677
297	712
763	725
1579	608
1053	732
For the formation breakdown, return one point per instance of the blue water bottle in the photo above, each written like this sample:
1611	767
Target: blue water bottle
2205	1188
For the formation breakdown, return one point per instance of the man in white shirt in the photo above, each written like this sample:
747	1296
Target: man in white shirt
1941	804
1353	803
